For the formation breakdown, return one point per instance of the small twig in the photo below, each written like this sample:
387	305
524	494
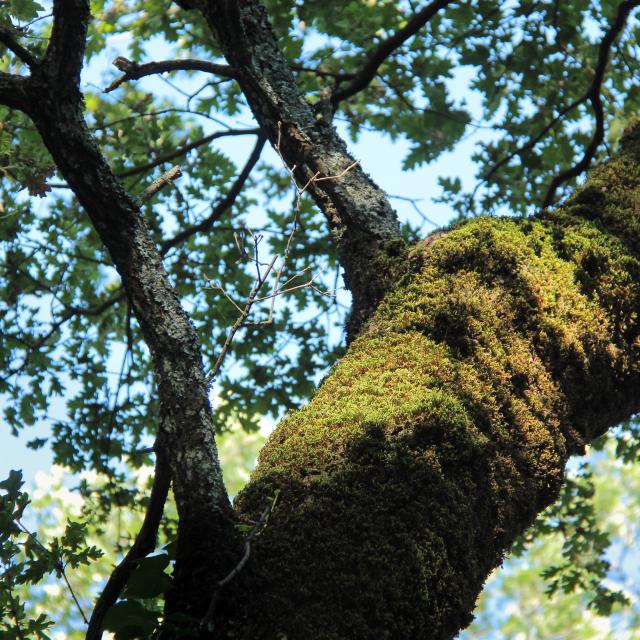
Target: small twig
159	183
414	203
262	277
211	376
59	567
256	529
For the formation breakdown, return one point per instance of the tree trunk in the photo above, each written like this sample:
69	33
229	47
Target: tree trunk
447	426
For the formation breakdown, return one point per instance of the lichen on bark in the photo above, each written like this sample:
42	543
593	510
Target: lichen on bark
447	426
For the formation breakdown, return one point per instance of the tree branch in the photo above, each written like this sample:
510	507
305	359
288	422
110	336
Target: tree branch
134	71
593	95
7	38
159	183
145	543
377	57
65	53
207	536
181	151
223	205
358	211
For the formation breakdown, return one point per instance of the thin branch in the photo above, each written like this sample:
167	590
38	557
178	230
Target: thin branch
145	543
593	95
377	57
211	376
159	183
68	314
223	205
257	528
134	71
528	145
181	151
7	38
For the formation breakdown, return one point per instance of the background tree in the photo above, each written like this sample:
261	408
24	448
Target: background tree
479	359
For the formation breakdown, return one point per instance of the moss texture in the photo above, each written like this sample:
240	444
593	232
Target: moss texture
446	427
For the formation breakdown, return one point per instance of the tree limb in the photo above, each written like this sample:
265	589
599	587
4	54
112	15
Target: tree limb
145	543
222	206
7	38
134	71
358	211
207	536
593	95
377	57
13	90
65	53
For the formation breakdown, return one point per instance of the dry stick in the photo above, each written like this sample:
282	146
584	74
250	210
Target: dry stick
211	376
262	278
134	71
58	565
257	528
145	543
159	183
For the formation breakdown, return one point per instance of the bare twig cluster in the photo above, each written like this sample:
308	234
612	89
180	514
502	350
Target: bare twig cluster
274	268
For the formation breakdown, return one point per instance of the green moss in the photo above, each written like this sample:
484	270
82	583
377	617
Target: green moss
446	427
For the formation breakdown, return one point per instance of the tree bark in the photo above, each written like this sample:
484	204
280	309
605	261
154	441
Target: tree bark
362	220
447	426
208	543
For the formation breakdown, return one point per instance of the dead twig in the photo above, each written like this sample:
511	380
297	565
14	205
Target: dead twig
159	183
257	528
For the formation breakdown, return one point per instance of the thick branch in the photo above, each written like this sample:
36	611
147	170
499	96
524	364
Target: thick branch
206	532
13	90
65	53
377	57
357	210
593	95
134	71
446	427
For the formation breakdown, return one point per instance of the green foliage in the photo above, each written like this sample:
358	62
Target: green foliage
583	566
26	561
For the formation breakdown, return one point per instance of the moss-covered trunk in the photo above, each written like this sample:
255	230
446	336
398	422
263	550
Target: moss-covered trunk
446	427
